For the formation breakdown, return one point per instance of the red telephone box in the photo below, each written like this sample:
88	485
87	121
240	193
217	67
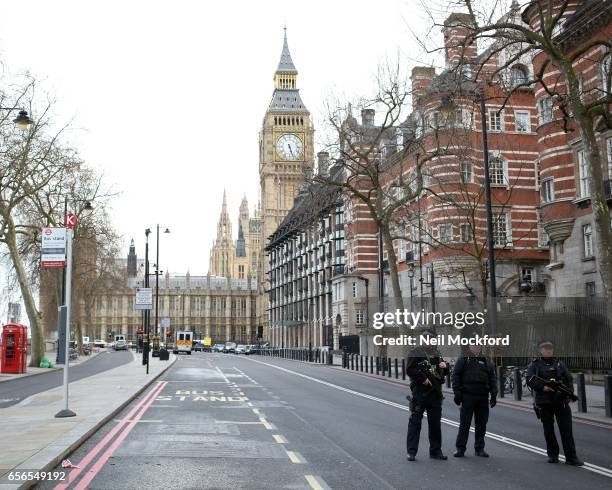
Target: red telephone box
14	348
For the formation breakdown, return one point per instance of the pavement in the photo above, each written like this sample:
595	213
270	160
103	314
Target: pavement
254	422
34	440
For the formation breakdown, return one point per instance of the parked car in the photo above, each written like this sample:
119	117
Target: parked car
120	345
217	348
99	343
229	348
198	347
252	349
240	349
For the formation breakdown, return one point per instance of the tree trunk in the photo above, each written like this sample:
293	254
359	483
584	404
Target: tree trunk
38	346
393	273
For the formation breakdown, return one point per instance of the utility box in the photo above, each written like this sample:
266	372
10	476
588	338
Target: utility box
14	348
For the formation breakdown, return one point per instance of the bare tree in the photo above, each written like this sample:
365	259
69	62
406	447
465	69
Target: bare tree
368	152
30	163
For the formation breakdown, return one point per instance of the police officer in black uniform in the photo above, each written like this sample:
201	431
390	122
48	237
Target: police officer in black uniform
550	403
426	369
473	379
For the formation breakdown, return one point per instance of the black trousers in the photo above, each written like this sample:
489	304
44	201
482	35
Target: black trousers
433	406
477	406
563	413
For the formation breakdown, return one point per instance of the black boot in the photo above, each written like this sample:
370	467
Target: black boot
482	453
459	453
574	461
411	457
439	456
553	459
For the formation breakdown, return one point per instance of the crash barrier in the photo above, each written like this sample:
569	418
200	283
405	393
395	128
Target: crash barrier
510	379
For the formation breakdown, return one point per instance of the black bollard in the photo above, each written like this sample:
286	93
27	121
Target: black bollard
500	381
404	369
518	384
377	364
360	363
396	369
581	389
384	366
448	380
608	394
389	367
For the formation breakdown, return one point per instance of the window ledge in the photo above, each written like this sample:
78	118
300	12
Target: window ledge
588	259
555	265
582	202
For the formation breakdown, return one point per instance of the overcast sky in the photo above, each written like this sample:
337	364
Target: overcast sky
167	97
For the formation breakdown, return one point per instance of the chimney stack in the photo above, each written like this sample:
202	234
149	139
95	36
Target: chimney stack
367	117
458	46
323	163
421	78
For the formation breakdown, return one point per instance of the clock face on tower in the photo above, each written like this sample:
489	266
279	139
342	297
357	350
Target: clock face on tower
289	147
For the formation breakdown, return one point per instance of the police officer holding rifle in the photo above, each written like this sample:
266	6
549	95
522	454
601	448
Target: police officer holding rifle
554	389
427	370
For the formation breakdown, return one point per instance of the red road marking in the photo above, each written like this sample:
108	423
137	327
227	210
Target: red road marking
95	469
92	454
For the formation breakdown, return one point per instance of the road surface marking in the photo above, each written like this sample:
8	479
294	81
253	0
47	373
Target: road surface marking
296	457
280	439
266	424
256	411
237	423
506	440
316	482
146	421
99	464
148	398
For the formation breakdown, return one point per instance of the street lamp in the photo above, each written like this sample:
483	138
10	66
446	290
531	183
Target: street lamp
66	412
86	210
22	121
145	313
411	276
157	272
445	108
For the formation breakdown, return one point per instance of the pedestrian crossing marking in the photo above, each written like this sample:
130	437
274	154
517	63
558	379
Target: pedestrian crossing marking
280	439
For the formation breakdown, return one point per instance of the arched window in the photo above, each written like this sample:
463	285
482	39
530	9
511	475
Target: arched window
518	75
606	74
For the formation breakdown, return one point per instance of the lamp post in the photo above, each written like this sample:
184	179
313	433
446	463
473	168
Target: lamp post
157	283
66	412
22	121
446	107
146	313
487	189
367	286
411	276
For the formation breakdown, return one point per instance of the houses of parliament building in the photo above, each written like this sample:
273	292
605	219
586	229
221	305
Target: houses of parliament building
230	301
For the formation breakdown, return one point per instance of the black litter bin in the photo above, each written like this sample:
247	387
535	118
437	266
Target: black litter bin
164	355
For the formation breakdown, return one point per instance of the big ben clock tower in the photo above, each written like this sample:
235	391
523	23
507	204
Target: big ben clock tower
285	155
285	146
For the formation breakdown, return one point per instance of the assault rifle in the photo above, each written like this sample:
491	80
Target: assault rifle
559	387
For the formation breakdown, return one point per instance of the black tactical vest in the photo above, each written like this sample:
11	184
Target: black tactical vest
475	372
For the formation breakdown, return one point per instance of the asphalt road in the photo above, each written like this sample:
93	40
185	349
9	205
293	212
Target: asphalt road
226	421
15	390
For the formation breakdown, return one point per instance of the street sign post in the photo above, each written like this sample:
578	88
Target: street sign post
144	299
53	248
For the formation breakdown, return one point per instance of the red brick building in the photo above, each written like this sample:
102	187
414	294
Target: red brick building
564	174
